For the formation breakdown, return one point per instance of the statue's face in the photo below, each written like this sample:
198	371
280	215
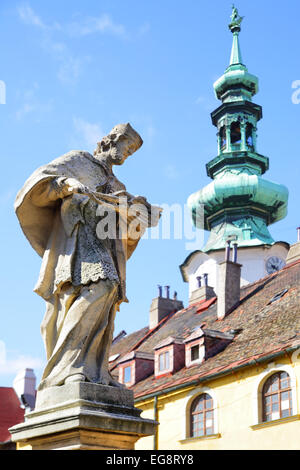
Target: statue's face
121	142
120	149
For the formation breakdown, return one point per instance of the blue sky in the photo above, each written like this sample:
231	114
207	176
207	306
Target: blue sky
74	69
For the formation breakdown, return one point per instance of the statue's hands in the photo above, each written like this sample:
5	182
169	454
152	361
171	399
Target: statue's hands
73	186
131	199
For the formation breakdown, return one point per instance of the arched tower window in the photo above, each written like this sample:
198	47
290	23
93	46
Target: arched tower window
249	134
277	397
223	137
202	416
235	133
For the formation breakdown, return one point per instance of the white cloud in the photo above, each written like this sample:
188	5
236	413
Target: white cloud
30	103
70	69
19	362
91	25
87	134
25	109
28	16
70	64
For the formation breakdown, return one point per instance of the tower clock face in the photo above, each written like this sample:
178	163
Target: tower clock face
274	264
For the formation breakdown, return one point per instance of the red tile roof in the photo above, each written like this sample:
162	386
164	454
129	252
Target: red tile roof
11	412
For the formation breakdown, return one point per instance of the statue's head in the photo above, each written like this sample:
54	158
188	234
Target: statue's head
121	142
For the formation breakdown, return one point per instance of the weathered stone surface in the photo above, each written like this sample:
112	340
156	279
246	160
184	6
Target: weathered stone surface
82	415
94	393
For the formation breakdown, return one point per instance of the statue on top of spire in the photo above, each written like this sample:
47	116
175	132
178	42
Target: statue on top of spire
236	19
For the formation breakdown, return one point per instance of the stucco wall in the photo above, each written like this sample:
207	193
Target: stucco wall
237	413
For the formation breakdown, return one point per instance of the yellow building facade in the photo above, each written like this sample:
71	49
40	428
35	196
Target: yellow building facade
237	400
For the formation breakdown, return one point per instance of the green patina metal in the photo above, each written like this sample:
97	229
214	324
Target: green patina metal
238	202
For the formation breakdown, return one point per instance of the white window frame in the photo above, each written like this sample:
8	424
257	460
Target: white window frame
186	423
257	398
129	366
167	355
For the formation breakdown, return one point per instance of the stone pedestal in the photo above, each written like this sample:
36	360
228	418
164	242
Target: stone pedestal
82	416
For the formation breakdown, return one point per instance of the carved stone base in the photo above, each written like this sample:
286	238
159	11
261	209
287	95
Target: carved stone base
83	416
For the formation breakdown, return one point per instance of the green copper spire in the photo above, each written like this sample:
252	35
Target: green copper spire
236	83
235	28
238	202
236	55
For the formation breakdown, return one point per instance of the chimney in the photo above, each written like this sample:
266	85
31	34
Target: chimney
24	385
229	282
203	291
163	306
294	251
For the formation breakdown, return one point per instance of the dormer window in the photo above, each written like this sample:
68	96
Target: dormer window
135	366
195	352
194	348
127	374
164	361
169	356
202	344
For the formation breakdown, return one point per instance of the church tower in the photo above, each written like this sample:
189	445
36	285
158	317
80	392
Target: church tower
239	204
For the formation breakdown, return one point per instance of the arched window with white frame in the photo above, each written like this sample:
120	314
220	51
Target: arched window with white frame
275	394
277	397
202	416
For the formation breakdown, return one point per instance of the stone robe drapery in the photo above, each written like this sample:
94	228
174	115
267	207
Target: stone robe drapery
82	278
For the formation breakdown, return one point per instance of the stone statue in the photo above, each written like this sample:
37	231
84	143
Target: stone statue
82	277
